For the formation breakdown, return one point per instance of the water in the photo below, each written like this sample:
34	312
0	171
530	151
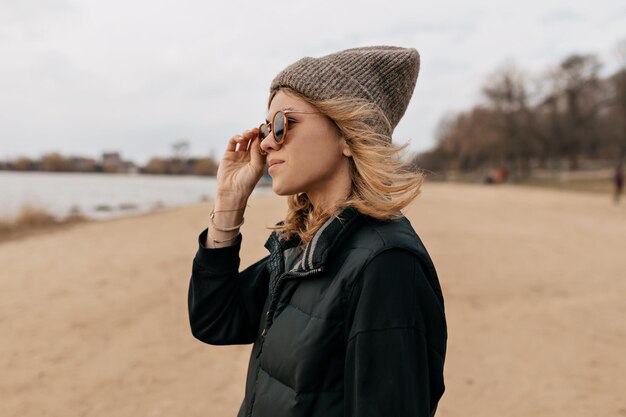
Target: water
101	196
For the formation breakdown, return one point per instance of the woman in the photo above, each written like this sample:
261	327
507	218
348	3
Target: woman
346	313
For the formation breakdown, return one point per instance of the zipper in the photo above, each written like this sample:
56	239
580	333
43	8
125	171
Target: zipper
269	317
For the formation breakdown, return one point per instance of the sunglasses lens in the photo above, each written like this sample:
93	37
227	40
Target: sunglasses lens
279	126
263	131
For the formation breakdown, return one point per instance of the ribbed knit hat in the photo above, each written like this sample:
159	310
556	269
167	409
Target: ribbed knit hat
382	75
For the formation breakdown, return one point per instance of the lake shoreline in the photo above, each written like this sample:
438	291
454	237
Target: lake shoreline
55	224
99	196
10	232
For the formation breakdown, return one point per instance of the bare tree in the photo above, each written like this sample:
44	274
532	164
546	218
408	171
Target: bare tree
178	162
506	93
180	149
55	162
465	142
563	115
578	85
619	86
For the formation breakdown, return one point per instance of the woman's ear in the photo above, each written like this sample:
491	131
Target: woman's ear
345	149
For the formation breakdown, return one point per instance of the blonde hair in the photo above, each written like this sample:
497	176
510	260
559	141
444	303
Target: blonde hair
383	182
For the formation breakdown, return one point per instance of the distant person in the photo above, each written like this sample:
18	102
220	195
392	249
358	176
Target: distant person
618	180
346	312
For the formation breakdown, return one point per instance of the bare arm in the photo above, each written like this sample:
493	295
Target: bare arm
239	171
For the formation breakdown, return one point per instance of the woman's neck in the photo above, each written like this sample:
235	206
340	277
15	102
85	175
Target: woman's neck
333	193
330	201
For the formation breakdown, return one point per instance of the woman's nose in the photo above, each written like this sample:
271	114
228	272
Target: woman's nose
269	143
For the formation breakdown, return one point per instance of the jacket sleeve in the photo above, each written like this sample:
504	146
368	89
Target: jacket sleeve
396	340
225	305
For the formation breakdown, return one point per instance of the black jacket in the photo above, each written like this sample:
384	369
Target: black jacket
355	328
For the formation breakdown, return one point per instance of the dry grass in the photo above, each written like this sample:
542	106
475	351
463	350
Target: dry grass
30	220
590	185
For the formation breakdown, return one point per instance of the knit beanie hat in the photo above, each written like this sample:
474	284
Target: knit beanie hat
382	75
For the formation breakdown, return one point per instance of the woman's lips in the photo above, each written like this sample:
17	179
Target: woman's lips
274	164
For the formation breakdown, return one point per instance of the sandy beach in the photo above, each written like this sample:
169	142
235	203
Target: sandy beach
93	317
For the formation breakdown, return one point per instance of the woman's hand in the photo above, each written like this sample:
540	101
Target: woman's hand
241	166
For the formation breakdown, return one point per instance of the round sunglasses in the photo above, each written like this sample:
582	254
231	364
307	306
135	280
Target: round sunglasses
279	125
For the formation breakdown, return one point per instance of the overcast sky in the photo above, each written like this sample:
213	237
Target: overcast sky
135	76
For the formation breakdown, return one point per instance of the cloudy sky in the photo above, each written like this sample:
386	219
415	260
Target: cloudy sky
85	76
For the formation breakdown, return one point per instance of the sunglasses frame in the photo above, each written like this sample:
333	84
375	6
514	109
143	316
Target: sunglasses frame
270	125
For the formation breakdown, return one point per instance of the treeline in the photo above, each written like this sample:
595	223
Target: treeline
177	164
55	162
174	166
180	163
555	120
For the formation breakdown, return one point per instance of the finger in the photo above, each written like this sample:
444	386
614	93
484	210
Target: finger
239	139
251	143
243	145
262	155
250	135
254	135
243	141
233	142
257	152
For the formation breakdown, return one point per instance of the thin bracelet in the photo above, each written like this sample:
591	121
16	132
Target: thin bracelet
237	209
222	241
225	229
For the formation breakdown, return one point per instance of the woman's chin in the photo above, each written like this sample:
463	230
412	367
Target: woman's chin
281	190
276	187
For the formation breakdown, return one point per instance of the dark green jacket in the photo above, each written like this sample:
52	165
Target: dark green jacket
355	328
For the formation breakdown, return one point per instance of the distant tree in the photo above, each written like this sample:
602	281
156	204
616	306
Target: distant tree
180	149
54	162
577	81
81	164
177	164
545	123
467	141
563	115
434	162
205	166
619	85
176	167
156	166
23	164
448	143
507	97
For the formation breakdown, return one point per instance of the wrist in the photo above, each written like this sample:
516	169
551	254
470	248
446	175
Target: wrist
230	200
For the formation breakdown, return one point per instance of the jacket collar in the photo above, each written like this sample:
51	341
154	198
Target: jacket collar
316	253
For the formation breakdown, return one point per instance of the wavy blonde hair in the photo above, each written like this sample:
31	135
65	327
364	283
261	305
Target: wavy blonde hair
383	181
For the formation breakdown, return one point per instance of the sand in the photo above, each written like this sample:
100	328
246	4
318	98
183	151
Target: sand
94	318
